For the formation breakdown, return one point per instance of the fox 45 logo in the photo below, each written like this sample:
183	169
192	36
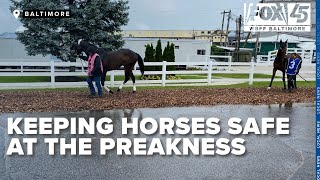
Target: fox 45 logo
277	17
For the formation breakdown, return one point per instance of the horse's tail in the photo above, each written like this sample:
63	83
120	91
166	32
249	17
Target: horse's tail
141	64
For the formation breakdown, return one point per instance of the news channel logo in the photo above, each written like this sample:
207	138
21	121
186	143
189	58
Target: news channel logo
277	17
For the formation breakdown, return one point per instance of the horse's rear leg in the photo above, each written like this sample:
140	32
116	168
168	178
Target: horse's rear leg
284	80
103	79
126	79
273	74
133	81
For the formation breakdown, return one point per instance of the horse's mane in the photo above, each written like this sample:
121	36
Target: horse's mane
107	49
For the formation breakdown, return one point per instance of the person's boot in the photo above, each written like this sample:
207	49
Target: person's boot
92	95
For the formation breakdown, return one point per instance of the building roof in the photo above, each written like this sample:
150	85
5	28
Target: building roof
283	37
165	40
233	48
307	45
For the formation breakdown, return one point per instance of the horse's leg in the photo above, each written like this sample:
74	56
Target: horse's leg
126	79
133	81
290	82
273	74
284	80
103	79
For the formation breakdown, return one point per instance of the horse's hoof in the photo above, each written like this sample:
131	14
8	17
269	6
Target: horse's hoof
111	92
118	90
269	88
133	91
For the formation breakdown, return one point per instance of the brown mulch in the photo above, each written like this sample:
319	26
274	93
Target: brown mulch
49	101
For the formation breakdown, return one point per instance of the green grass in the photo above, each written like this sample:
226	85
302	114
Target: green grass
235	76
116	78
311	84
242	76
266	84
21	79
17	79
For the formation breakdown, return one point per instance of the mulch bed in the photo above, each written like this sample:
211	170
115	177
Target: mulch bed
49	101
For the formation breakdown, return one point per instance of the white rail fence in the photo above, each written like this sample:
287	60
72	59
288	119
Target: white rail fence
308	55
206	75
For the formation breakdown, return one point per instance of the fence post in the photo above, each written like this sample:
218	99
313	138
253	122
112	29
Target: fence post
52	75
164	69
229	66
251	73
82	66
207	61
209	72
111	78
269	57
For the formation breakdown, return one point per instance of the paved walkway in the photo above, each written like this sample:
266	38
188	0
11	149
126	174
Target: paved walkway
268	156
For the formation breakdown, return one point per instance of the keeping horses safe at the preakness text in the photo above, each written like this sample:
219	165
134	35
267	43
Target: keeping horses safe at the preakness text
147	136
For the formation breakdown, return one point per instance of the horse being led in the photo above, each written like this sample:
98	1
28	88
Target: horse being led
113	60
280	63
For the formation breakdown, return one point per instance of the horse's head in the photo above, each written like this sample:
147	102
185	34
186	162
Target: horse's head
77	48
283	46
80	46
73	46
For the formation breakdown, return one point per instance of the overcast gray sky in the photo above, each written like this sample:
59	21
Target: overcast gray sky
159	14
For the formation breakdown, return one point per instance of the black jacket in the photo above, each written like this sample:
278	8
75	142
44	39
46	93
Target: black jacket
96	69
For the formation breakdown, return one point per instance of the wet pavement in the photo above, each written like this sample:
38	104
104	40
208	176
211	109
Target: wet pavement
268	156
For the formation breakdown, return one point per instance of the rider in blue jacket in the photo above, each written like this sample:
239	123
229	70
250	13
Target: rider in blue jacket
293	67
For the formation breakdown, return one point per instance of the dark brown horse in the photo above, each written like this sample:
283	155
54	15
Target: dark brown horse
280	63
113	60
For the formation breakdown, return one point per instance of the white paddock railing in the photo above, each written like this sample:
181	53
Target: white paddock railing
207	58
206	74
308	55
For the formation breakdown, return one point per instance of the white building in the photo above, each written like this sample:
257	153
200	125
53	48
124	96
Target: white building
186	50
13	50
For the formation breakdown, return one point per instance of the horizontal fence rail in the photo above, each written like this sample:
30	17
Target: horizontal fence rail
205	73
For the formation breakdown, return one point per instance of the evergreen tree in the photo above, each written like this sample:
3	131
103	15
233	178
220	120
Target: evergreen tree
152	52
158	55
149	57
171	56
216	50
146	53
152	57
97	21
172	53
166	55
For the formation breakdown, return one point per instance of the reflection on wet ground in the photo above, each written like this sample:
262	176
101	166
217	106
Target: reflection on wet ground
267	156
